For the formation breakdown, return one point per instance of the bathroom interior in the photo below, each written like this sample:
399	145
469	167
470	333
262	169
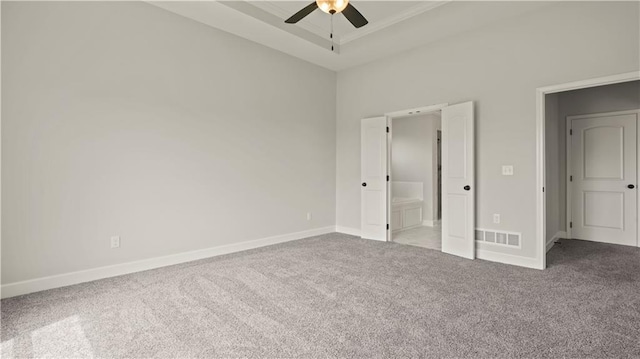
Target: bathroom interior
416	180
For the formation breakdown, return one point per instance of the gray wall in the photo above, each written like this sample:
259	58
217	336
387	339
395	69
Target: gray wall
610	98
413	155
120	118
499	67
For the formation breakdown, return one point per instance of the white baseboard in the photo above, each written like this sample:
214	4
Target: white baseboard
354	232
63	280
410	227
431	222
348	230
552	240
480	253
508	259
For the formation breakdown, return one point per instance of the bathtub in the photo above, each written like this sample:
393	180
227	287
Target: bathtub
406	212
406	205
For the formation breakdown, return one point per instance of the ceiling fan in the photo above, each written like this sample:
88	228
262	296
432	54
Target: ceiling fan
331	7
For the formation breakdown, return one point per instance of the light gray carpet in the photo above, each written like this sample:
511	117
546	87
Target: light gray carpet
341	296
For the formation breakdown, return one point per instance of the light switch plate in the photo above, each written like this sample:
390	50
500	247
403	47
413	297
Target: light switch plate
507	170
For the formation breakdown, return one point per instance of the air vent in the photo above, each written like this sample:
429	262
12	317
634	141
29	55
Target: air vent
503	238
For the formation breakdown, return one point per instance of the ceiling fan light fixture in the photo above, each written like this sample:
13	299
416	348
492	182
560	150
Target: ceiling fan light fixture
332	6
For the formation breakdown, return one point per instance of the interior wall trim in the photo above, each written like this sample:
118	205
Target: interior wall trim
348	230
62	280
551	241
519	261
541	92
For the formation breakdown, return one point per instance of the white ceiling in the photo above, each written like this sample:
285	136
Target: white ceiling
394	26
380	14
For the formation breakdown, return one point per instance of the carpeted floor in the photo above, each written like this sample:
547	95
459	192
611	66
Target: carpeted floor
341	296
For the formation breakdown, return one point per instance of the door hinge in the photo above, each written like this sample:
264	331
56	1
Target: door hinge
542	189
387	129
387	178
570	132
570	178
387	226
570	224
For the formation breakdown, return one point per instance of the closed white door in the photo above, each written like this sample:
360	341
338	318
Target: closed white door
458	187
603	177
373	193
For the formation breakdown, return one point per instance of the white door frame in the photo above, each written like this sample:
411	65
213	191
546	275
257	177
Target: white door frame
390	116
541	255
569	164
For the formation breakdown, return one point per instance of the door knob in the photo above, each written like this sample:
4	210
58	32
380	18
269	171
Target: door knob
631	186
467	188
364	184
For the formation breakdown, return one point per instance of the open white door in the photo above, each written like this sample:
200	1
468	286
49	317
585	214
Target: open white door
373	194
458	187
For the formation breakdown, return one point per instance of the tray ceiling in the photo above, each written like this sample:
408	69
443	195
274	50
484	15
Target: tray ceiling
394	26
380	14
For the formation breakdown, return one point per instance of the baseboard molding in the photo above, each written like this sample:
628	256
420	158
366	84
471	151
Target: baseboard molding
348	230
480	253
431	222
66	279
507	259
354	232
412	227
555	237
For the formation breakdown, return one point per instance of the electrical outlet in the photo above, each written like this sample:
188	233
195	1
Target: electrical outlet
496	218
309	216
115	242
507	170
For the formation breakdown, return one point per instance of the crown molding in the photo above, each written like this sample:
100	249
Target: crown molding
228	19
283	14
371	28
243	19
275	20
384	23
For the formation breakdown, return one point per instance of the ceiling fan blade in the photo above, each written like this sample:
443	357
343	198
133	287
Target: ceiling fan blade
302	13
354	16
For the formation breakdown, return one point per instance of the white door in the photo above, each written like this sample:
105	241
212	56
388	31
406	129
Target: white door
603	177
373	194
458	187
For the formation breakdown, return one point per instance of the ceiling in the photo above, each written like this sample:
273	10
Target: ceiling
394	26
380	14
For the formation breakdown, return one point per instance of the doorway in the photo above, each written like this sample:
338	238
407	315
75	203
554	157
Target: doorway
457	181
588	162
414	186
